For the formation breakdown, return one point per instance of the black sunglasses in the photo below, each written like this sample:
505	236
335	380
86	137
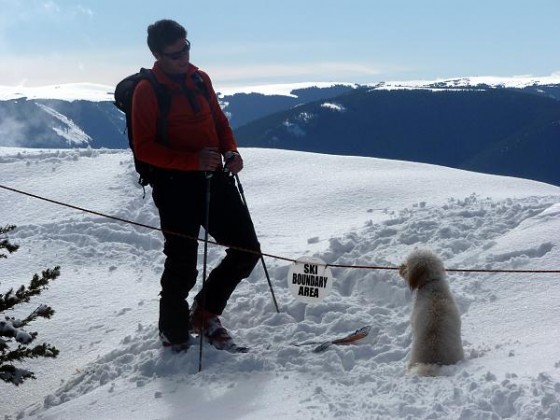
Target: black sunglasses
178	54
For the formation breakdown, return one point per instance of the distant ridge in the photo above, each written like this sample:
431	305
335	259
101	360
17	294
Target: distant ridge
507	126
502	131
64	92
517	82
99	92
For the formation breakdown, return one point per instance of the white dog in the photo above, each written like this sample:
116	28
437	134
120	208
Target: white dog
435	319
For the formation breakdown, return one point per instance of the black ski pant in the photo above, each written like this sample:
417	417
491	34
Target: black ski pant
181	200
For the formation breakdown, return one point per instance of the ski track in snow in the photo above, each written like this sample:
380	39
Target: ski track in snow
365	380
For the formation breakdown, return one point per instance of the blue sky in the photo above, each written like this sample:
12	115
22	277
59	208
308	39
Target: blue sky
251	42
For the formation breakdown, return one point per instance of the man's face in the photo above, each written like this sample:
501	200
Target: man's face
174	59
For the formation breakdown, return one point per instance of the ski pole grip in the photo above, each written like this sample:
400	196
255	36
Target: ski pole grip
228	158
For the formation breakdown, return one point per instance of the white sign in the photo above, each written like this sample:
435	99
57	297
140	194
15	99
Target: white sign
310	280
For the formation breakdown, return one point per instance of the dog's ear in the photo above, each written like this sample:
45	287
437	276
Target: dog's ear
403	271
417	277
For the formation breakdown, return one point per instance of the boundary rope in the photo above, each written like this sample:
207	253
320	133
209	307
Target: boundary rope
263	254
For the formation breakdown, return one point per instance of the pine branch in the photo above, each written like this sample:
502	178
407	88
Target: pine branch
11	248
22	352
11	329
23	294
6	229
43	311
5	243
14	375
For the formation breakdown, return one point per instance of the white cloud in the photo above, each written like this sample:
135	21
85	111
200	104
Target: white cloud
109	66
51	7
342	71
19	17
232	63
103	67
15	13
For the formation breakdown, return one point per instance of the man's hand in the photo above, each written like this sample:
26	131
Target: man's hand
210	159
234	162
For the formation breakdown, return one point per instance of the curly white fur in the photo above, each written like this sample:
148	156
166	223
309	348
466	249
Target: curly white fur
435	319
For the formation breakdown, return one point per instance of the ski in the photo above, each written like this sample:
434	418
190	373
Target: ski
235	349
350	338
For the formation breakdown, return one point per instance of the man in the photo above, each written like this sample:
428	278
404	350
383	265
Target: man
198	136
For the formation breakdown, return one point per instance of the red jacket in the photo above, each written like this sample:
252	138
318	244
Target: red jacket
188	132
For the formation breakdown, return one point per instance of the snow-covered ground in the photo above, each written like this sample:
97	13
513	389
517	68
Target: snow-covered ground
345	210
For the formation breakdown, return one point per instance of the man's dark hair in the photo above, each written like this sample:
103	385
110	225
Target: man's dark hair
164	33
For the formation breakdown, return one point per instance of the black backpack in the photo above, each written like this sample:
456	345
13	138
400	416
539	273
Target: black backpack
123	101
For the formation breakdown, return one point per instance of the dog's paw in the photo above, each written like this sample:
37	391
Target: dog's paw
424	369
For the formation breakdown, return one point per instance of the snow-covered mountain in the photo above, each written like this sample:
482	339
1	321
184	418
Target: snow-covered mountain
58	123
78	115
516	82
492	130
82	113
507	126
97	92
346	210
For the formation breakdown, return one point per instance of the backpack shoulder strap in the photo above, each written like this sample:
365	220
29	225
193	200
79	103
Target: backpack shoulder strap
203	88
164	103
201	85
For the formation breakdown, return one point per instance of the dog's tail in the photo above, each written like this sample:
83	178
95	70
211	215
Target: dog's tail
425	369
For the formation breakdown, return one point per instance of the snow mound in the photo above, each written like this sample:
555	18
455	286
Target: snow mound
112	365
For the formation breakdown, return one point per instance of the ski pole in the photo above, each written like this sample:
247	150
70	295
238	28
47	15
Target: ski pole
208	176
240	188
